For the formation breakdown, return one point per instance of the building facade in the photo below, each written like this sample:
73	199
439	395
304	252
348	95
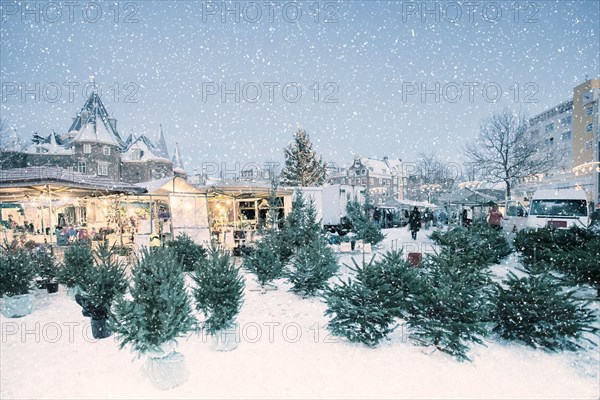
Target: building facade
382	179
93	146
571	130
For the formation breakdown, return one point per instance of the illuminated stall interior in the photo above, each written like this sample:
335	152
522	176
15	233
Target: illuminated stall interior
237	213
51	204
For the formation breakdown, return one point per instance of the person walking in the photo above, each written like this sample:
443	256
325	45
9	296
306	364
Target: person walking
426	218
414	222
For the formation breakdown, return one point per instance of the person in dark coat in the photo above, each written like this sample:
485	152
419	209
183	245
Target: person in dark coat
414	221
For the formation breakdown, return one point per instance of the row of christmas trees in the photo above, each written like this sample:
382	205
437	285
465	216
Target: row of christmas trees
452	301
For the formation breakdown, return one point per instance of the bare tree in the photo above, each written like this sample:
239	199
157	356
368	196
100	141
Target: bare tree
505	151
430	177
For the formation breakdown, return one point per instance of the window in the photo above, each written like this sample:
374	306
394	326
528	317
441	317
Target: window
549	127
380	181
586	97
589	127
81	167
103	168
589	110
566	121
588	145
566	135
106	150
87	148
137	154
41	150
576	208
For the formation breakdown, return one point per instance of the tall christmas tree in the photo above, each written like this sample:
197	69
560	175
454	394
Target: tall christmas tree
302	167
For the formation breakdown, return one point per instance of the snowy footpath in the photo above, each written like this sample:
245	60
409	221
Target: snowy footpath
285	351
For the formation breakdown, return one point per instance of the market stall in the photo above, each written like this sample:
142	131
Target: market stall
238	212
56	205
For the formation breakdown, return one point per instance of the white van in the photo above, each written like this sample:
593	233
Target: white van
515	215
560	208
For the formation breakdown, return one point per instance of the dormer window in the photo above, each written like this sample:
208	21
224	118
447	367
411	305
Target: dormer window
87	149
106	150
137	154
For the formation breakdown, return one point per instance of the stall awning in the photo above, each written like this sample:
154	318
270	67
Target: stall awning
20	184
468	197
169	185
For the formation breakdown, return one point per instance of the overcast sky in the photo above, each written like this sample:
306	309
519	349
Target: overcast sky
361	68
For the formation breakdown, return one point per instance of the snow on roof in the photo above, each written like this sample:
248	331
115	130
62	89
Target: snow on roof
51	147
96	132
386	166
172	184
141	149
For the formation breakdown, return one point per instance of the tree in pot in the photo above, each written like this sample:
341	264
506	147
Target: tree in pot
312	267
158	312
219	296
105	282
16	276
187	251
265	261
46	267
78	260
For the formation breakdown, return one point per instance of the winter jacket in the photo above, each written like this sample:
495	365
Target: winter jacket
495	218
414	220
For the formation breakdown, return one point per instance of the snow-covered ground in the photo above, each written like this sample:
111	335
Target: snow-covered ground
285	351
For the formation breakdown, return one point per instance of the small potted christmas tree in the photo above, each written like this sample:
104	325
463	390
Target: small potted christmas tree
45	265
105	282
16	276
78	260
264	262
187	251
312	267
219	295
157	313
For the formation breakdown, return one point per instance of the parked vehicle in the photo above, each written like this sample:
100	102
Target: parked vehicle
515	215
331	202
561	208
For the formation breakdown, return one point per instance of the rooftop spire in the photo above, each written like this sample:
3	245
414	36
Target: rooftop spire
161	145
177	161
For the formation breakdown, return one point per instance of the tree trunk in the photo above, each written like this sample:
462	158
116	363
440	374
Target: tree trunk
507	189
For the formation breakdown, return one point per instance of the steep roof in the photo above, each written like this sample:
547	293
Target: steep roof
177	161
97	131
161	146
93	111
147	148
48	145
386	166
